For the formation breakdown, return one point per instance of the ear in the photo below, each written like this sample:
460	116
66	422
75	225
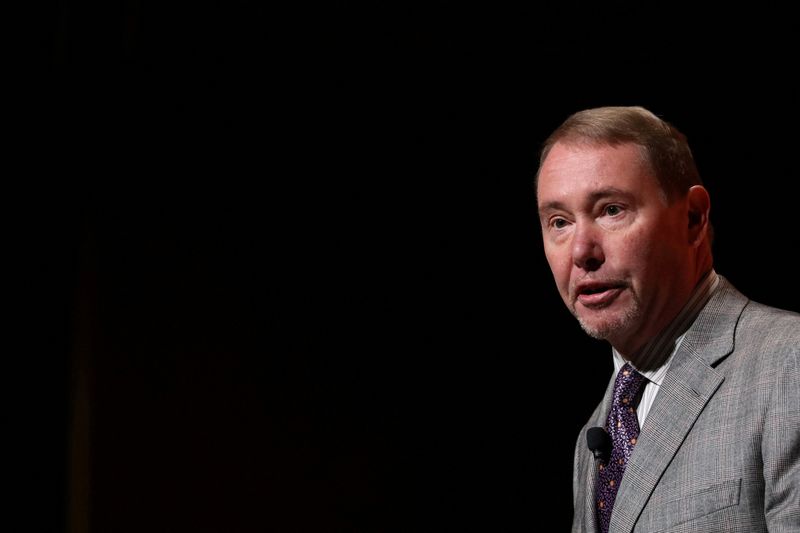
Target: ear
699	204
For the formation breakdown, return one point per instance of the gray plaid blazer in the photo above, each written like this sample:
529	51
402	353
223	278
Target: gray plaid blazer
720	448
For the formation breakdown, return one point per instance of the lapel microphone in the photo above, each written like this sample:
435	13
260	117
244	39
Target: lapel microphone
598	442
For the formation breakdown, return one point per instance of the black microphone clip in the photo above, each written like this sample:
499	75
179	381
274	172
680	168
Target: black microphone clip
598	442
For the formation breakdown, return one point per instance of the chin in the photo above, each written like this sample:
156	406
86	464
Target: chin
615	321
601	332
609	327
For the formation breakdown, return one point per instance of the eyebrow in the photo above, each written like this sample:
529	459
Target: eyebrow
592	199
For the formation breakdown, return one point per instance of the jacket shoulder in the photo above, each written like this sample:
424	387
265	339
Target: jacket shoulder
765	327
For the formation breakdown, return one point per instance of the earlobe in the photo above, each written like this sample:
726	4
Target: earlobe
699	208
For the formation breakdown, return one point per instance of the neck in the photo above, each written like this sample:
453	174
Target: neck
646	353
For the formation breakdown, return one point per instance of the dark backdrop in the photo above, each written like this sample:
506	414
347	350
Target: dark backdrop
285	272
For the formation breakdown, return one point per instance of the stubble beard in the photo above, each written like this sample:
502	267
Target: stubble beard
612	327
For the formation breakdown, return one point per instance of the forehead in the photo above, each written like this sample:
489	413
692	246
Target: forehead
576	171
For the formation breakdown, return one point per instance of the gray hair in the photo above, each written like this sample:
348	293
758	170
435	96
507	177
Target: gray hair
664	148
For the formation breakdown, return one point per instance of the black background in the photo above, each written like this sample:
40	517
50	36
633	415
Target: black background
287	265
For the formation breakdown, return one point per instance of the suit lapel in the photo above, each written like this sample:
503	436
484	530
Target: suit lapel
684	393
687	387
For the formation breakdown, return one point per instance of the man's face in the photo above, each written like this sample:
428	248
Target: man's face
620	254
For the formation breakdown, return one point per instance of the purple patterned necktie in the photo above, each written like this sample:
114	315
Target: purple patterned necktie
623	428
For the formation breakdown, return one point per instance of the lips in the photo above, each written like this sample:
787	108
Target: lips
598	294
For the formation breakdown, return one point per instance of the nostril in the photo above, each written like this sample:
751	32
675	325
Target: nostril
591	263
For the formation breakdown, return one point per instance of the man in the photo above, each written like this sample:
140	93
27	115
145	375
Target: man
703	411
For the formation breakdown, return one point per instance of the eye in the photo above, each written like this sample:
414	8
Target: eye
558	223
613	210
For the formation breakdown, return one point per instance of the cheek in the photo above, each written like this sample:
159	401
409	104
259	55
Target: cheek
647	254
630	253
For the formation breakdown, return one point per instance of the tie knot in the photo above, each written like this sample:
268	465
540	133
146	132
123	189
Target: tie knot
628	383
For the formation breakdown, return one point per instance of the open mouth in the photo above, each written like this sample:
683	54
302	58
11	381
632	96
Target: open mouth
595	290
598	294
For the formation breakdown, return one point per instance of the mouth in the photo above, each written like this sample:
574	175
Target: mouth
595	295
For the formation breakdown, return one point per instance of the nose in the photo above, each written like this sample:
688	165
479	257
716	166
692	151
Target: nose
587	250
